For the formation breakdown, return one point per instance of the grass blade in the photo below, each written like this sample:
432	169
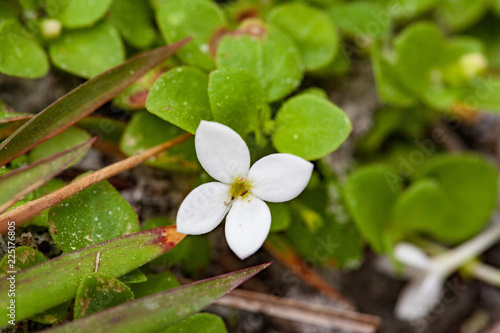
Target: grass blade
53	282
155	312
19	182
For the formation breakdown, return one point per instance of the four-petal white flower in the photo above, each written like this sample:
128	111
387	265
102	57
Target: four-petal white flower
241	190
424	291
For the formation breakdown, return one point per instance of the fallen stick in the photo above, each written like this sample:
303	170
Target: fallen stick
303	312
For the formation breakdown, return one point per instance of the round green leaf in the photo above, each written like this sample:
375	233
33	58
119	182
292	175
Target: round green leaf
180	97
146	130
20	54
265	51
310	127
422	72
98	292
200	322
236	98
200	19
361	20
461	14
281	216
371	192
155	283
88	52
64	140
424	206
134	20
470	183
77	13
311	30
91	216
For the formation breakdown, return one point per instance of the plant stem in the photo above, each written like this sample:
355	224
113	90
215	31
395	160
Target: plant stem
35	207
450	261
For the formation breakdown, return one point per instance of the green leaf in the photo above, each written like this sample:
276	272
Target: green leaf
160	310
155	283
180	97
201	322
482	94
390	89
281	216
363	21
20	258
134	20
21	181
146	130
194	252
88	52
51	283
236	98
197	18
136	276
26	257
371	192
42	219
311	30
265	51
91	216
98	292
63	141
470	184
310	127
403	10
423	207
76	13
82	101
9	9
461	14
108	130
20	53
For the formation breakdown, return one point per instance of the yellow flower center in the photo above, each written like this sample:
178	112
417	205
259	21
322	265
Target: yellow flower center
240	188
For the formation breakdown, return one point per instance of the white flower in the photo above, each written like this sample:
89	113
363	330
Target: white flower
240	191
424	291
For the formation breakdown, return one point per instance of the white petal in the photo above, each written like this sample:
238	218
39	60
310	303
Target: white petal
419	297
247	226
221	151
203	209
412	256
279	177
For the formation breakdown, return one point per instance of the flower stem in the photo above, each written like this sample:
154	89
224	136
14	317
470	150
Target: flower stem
450	261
